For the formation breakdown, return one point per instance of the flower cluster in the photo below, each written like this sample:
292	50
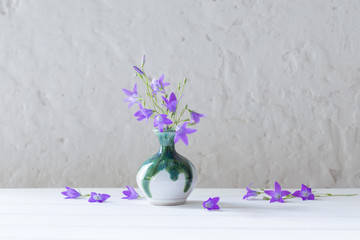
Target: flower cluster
71	193
278	195
163	107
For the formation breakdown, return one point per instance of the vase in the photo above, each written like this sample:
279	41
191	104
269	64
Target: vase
167	178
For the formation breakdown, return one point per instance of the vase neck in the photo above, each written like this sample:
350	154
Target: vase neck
166	140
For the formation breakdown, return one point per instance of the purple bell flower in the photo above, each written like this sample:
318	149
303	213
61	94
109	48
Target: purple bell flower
276	196
250	193
133	96
181	133
130	193
143	113
171	104
211	203
305	193
71	193
160	121
98	197
157	85
195	117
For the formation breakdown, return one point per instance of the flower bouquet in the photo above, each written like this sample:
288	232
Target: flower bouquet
167	178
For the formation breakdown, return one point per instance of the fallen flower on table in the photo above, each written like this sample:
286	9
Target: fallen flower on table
277	194
250	193
211	203
98	197
130	193
305	193
71	193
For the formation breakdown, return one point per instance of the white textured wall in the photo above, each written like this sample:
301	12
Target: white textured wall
278	80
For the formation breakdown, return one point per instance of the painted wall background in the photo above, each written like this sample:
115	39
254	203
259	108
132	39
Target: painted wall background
279	81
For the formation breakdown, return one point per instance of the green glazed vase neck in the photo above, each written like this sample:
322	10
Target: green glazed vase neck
166	140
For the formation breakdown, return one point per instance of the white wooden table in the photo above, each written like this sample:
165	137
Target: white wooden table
45	214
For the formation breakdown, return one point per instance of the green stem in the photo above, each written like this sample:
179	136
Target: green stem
335	195
150	93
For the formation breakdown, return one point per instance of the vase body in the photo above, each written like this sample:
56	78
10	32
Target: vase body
167	178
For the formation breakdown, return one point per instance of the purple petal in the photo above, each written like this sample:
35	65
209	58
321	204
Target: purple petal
215	200
127	193
277	187
165	100
64	193
297	194
273	200
127	92
305	188
311	197
161	78
190	130
172	97
246	196
130	104
215	207
165	84
167	121
184	138
104	197
269	192
176	139
285	193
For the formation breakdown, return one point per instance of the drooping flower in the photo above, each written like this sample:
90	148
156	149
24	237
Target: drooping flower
71	193
171	103
276	196
211	203
157	85
143	113
181	132
133	96
250	193
160	121
305	193
130	193
195	117
138	70
98	197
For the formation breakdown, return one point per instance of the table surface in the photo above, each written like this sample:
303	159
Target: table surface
45	214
